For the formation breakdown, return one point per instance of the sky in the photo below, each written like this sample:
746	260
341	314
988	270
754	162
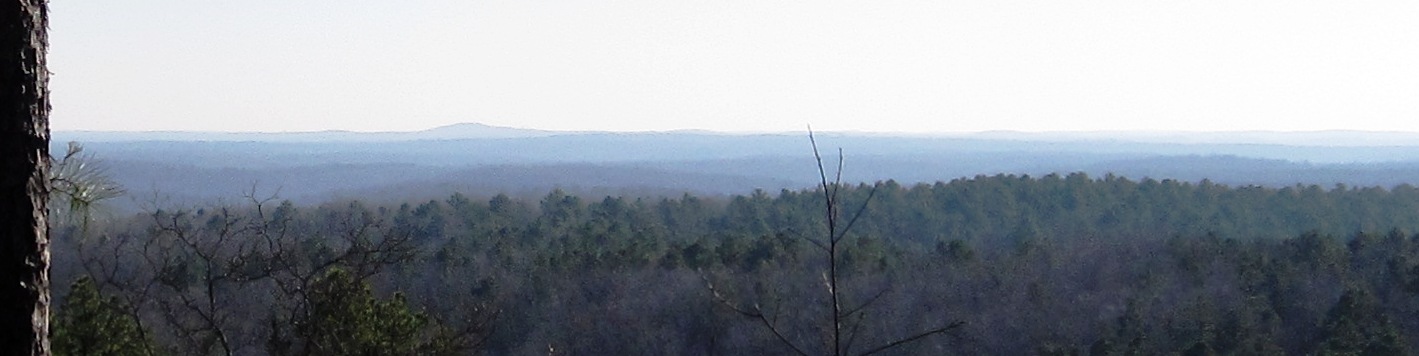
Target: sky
735	65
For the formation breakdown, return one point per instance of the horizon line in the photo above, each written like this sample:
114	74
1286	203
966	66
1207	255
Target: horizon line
745	132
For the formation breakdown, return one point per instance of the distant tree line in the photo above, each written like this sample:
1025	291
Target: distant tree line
1056	265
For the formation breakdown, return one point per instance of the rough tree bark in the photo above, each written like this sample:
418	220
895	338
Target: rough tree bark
24	188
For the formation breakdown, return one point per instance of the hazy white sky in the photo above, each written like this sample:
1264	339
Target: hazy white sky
735	65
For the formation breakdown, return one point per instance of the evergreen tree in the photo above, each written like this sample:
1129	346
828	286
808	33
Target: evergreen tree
1356	326
88	324
346	319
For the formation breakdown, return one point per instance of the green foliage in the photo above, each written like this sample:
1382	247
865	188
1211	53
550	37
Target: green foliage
955	252
1356	326
1053	264
346	319
87	324
78	183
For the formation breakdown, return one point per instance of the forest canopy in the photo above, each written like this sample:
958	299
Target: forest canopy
1056	264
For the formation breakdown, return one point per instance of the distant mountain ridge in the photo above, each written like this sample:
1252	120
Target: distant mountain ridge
476	130
1327	138
449	132
473	130
309	166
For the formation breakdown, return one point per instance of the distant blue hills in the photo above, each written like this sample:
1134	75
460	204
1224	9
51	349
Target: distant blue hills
189	167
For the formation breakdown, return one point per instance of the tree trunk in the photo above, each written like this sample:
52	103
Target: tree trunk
24	187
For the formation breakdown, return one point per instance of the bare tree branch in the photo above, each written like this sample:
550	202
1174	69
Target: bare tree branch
756	313
867	303
912	338
839	343
860	209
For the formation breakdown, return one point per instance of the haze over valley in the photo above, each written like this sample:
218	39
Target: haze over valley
637	177
311	167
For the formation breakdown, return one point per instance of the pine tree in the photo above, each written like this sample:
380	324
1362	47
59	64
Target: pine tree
89	324
1356	326
345	318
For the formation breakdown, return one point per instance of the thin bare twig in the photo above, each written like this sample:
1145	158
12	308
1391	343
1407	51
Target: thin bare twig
860	209
756	313
916	337
835	235
867	303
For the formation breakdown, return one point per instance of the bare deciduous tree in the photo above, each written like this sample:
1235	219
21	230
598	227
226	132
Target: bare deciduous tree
844	320
196	275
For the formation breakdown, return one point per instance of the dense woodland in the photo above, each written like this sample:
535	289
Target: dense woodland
1052	265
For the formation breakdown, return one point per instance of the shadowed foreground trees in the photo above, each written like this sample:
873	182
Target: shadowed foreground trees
270	279
1107	265
346	319
90	324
